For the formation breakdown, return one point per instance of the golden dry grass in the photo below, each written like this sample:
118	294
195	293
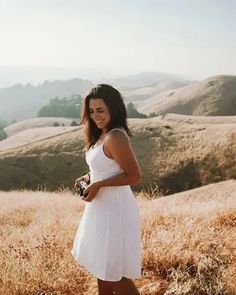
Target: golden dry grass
188	243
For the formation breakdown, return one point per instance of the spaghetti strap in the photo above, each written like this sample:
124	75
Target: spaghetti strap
99	142
118	129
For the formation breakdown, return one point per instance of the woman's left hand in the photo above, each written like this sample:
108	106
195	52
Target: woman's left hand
92	190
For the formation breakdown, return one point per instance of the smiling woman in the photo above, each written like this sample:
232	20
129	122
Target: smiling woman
108	239
103	109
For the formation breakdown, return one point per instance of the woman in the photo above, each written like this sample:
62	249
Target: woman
108	239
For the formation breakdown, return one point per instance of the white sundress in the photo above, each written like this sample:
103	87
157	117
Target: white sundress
108	239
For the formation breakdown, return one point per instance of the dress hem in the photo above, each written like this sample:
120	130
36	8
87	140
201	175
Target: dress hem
103	278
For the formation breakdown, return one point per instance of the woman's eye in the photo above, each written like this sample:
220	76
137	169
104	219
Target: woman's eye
100	111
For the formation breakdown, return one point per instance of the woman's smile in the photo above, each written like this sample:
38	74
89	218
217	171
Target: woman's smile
99	113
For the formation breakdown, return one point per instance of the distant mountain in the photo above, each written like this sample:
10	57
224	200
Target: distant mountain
150	92
22	102
144	79
215	96
143	93
11	75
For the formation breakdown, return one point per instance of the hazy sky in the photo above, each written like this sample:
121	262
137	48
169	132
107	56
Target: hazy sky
196	38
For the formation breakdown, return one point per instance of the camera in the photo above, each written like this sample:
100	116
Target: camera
81	188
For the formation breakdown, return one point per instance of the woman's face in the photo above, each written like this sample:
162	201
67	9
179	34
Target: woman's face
99	113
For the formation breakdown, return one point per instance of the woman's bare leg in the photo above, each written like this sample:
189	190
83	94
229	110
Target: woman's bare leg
126	287
105	287
123	287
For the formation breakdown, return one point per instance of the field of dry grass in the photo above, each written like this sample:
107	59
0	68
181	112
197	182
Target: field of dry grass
188	243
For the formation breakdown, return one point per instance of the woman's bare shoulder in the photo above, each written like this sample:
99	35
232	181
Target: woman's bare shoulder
117	134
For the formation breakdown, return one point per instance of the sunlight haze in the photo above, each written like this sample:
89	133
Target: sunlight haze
193	38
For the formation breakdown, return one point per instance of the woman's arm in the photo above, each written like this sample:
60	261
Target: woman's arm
120	179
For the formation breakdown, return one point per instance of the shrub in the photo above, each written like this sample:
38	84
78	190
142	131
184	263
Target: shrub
68	107
3	134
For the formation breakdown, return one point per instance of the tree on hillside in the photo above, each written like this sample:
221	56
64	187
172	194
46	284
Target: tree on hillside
152	114
74	123
3	134
68	107
132	112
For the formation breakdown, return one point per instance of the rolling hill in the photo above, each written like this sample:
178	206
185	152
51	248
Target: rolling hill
215	96
144	79
36	123
174	156
30	135
141	94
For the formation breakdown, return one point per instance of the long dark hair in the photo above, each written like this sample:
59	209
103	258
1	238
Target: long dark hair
114	101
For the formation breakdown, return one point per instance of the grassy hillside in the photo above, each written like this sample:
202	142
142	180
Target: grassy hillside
139	95
188	243
144	79
36	123
215	96
200	119
29	136
173	156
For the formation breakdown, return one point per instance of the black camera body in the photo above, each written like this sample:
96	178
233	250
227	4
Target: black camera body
82	186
